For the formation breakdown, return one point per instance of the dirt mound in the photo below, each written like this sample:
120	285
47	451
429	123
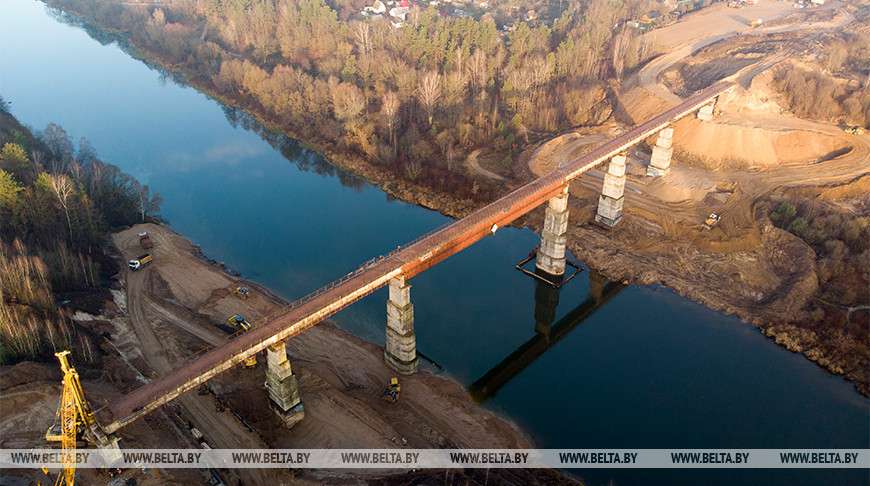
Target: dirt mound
722	144
857	188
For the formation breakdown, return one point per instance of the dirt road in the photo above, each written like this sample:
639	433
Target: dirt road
173	305
154	322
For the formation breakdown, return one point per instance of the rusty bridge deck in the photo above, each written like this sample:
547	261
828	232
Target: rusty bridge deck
408	260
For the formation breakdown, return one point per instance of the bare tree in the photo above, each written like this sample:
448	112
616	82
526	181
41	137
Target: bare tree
63	189
390	112
541	71
347	102
61	147
429	91
149	204
362	33
476	68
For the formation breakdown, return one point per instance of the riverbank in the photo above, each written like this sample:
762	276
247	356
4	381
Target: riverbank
183	297
656	236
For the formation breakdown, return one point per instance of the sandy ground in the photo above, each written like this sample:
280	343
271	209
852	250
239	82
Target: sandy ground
178	305
743	266
172	307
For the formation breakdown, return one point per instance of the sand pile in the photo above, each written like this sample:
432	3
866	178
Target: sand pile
723	144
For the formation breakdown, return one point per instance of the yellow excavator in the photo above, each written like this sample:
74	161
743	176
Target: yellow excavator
74	415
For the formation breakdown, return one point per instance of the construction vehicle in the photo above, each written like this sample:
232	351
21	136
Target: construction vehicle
755	22
251	361
239	321
391	394
856	130
242	292
145	241
139	262
74	416
711	220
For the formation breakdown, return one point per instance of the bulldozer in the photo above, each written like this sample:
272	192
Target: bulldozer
391	394
242	292
711	220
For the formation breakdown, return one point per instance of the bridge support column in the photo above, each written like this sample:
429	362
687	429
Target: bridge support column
283	386
401	349
611	199
551	255
661	154
706	111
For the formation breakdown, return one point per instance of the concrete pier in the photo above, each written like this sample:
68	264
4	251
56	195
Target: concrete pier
661	154
612	193
283	386
401	350
706	111
551	255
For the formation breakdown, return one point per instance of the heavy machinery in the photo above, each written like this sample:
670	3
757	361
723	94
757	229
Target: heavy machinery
711	220
754	22
74	416
856	130
145	241
242	292
391	394
239	321
137	263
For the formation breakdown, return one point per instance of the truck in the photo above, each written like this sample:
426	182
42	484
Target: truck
755	22
145	241
137	263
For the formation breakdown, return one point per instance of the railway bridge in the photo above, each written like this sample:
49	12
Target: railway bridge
395	268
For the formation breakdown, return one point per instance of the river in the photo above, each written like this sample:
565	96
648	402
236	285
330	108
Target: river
649	369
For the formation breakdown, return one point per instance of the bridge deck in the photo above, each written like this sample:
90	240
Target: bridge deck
409	260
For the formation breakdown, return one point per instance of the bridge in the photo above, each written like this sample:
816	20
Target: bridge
393	269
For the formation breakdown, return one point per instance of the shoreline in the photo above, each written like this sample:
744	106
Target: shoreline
341	376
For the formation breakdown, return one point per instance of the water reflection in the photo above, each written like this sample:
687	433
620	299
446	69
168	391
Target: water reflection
547	334
306	160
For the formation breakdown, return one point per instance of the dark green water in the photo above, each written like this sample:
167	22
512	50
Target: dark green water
649	369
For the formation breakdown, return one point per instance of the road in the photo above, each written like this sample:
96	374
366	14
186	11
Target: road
642	94
150	319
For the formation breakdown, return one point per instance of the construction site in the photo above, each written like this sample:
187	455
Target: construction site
702	229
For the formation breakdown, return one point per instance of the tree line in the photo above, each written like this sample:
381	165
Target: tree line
413	99
57	205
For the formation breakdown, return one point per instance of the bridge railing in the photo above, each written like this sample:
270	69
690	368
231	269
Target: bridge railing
287	308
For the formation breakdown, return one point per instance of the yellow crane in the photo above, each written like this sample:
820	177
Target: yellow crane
73	413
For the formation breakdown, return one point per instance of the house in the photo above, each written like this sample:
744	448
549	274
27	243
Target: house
650	17
399	12
404	4
509	27
531	15
378	7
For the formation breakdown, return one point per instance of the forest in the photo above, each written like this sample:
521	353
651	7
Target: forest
412	100
57	206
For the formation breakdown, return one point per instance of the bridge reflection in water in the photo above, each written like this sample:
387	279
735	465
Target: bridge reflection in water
547	334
